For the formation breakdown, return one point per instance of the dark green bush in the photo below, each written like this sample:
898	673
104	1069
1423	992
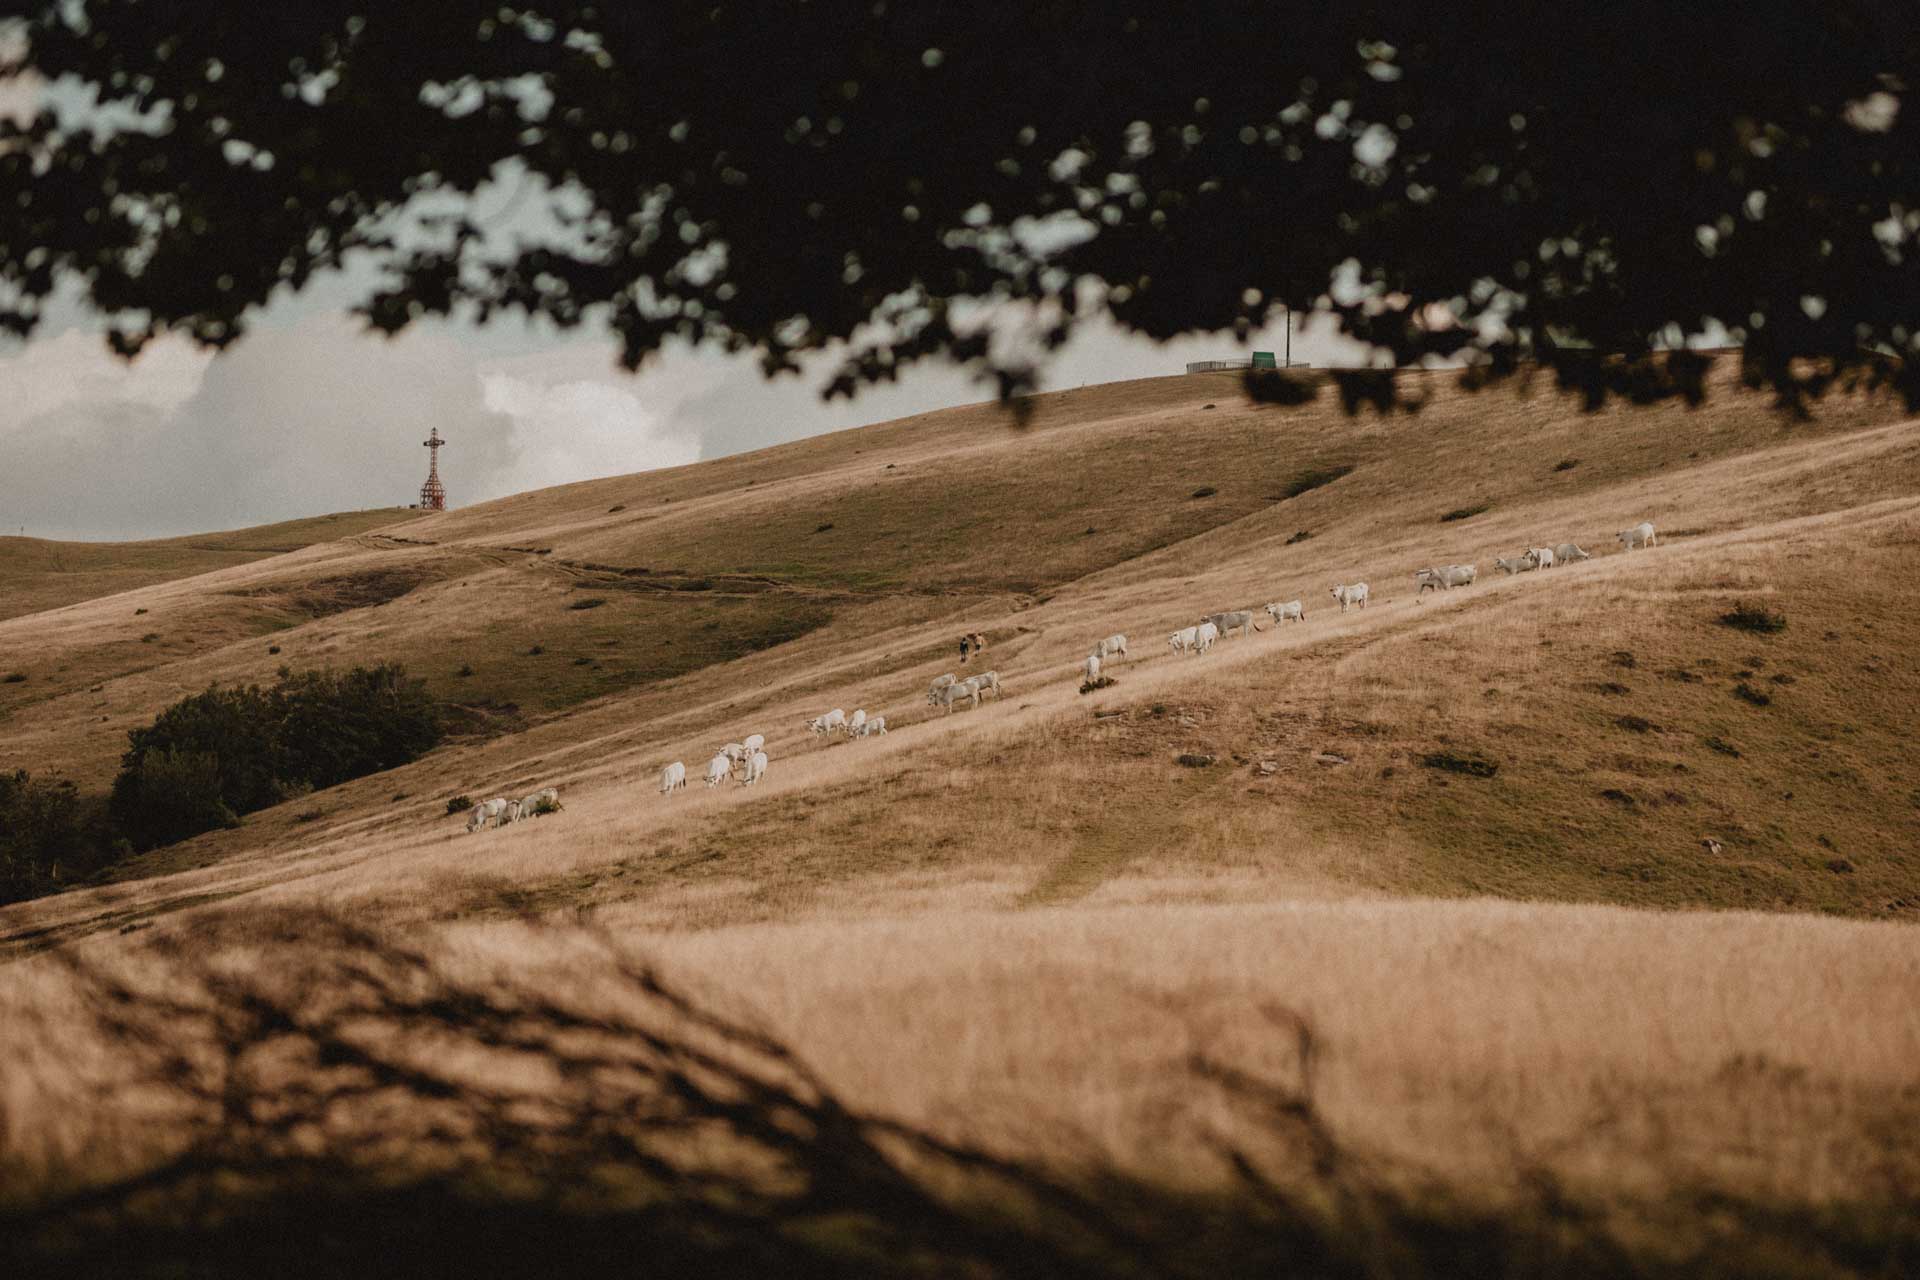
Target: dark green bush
169	794
50	835
1751	617
226	752
1450	762
459	804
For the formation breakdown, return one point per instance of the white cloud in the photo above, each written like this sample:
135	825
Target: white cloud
567	429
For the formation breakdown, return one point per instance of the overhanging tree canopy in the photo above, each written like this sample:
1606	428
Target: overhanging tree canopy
1497	181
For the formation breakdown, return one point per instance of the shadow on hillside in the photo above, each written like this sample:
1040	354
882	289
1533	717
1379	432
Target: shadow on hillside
371	1113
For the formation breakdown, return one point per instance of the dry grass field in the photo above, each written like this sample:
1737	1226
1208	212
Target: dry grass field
1429	970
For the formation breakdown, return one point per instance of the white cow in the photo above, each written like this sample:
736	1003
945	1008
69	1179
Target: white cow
674	775
1458	575
1090	669
487	812
1113	646
987	682
1227	623
545	795
719	769
1426	580
1182	641
874	724
1354	594
828	722
933	690
735	752
962	691
1203	637
1567	553
756	768
1641	535
754	742
1281	612
1520	564
1542	557
854	721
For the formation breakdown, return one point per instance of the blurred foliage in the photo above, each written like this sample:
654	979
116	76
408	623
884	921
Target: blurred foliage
1567	188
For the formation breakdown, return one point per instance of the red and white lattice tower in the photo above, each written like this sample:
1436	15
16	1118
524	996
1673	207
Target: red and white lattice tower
433	495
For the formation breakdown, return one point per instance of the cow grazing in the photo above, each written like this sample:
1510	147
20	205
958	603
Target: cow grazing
1114	646
828	722
854	721
1426	580
963	691
1281	612
486	813
756	768
1641	535
1090	669
1567	553
1203	637
673	777
734	751
1458	575
1542	557
1352	594
754	742
549	796
987	682
1519	564
1182	641
933	690
1226	623
719	769
874	724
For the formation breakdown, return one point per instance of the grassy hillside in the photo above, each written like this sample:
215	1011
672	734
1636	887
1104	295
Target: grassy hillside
1029	932
37	574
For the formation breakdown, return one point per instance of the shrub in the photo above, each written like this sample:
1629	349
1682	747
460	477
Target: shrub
1466	513
583	661
169	794
1315	478
1449	762
1104	682
466	669
590	602
226	752
138	612
822	528
1567	465
273	649
1301	536
617	507
536	651
545	806
1725	748
1637	724
311	815
15	677
459	804
1205	491
1747	693
1747	617
50	835
150	637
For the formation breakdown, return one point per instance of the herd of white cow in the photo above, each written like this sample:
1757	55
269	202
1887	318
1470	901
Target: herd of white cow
746	761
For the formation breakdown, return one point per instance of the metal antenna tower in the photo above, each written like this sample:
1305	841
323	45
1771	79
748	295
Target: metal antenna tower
433	495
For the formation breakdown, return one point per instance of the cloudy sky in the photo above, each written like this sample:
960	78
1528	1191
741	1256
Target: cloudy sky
308	415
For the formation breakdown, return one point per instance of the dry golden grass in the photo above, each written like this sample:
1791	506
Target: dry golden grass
1016	926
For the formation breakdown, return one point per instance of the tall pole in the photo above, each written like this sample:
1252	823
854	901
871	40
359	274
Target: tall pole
1289	314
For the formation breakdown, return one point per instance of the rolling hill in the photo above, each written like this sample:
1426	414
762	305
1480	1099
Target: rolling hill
1432	829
